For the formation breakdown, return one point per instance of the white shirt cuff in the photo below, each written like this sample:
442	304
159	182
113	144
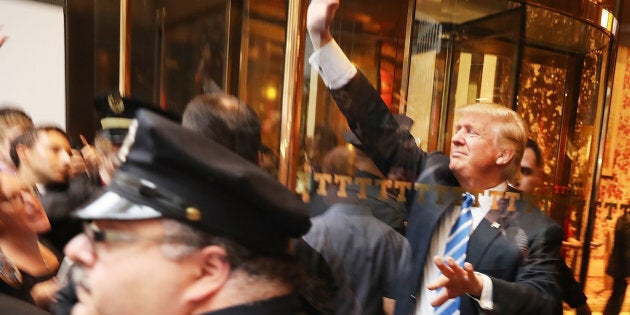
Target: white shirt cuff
333	65
485	300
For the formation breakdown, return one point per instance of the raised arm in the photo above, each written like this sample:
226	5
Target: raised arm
366	113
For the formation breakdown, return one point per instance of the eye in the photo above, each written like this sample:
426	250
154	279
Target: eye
526	171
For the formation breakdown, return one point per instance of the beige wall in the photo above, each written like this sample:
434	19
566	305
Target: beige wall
32	61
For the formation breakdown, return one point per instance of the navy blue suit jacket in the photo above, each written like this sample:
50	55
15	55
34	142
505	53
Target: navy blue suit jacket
518	250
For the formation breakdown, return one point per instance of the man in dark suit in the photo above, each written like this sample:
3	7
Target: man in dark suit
513	250
383	206
43	158
532	177
619	265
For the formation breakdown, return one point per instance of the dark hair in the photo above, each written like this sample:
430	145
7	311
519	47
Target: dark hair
324	140
340	160
29	138
281	267
534	146
284	268
10	117
226	120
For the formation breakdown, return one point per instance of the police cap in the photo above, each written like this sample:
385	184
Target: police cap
116	113
175	173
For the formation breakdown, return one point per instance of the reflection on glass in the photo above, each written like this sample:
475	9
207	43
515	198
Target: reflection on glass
560	96
106	45
262	64
460	54
187	47
372	33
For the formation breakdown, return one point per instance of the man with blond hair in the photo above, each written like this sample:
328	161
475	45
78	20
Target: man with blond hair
506	258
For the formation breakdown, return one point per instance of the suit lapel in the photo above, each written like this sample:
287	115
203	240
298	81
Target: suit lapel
481	239
424	219
491	227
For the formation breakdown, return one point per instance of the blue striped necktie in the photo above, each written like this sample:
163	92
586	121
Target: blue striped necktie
456	248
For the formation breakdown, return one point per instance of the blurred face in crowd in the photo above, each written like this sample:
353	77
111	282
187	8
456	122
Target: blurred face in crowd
531	175
20	210
50	157
132	261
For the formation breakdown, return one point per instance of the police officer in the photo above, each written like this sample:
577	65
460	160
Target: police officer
187	227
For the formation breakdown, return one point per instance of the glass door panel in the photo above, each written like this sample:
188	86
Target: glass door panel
372	33
561	97
462	55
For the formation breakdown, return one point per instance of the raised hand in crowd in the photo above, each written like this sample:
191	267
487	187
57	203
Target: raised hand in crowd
319	17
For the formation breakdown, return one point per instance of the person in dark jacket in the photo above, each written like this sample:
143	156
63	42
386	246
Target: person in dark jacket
532	175
619	265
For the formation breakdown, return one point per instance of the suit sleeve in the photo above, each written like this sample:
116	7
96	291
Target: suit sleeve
370	119
397	259
617	266
535	289
625	239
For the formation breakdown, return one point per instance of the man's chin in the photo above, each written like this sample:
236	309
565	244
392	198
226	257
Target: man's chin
41	226
84	305
454	165
83	309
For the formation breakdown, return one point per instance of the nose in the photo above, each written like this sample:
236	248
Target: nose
81	250
458	137
64	157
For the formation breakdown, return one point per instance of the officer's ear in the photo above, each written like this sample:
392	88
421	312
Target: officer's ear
211	271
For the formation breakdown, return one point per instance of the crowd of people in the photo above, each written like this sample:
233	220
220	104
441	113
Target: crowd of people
183	216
